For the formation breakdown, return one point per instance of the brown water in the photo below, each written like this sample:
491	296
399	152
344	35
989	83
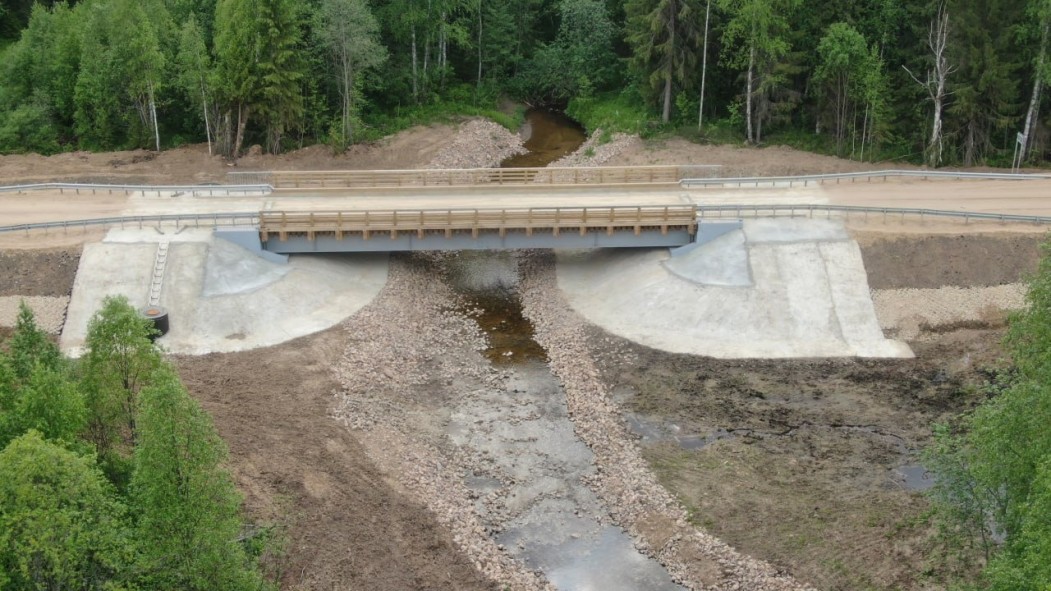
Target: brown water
548	136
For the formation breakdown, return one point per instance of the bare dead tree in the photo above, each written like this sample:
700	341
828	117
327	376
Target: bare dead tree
704	66
1034	101
937	41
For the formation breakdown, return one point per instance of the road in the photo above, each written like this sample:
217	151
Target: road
1031	197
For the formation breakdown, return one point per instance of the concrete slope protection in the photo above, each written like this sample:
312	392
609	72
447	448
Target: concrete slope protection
219	296
778	288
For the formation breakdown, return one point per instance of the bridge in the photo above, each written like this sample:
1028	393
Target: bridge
654	206
288	232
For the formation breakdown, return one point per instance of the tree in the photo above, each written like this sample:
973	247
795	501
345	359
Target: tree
194	66
119	362
580	59
1040	11
844	77
664	37
49	403
281	69
235	75
350	34
937	76
993	477
186	504
30	346
985	89
143	63
704	64
755	38
258	69
61	526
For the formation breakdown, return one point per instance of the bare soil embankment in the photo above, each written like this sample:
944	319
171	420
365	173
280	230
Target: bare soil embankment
812	465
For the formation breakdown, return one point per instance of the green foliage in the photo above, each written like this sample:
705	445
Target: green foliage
61	525
993	477
850	83
105	74
580	59
119	362
350	34
612	113
186	504
51	404
31	347
664	36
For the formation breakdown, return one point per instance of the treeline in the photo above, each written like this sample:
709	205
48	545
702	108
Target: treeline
993	468
111	475
935	81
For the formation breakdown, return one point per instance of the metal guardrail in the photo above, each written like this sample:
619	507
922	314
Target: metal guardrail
198	220
703	212
739	211
854	176
193	190
463	177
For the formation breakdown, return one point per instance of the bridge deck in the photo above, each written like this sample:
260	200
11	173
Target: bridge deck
456	229
555	219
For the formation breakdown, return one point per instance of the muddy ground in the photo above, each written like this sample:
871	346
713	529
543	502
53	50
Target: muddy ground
804	463
796	463
793	462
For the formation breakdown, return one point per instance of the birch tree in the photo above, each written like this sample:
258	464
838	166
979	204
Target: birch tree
194	68
704	64
349	32
755	39
1041	13
937	77
842	76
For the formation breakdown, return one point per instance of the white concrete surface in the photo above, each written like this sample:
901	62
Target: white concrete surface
219	296
808	296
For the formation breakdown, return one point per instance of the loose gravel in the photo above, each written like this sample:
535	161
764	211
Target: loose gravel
410	355
632	494
598	149
906	313
479	143
50	311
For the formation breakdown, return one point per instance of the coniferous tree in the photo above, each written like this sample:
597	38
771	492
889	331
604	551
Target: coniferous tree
664	36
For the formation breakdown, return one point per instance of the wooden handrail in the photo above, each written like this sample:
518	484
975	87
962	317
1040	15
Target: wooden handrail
283	223
597	175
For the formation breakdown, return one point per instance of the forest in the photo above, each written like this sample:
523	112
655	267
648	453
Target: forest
936	82
111	474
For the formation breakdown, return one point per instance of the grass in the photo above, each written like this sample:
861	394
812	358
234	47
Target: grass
613	113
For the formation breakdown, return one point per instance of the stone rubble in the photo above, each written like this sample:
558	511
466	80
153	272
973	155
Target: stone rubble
598	149
630	490
50	312
906	313
408	354
479	143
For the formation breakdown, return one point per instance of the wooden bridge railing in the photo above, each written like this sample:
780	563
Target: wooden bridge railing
598	175
554	219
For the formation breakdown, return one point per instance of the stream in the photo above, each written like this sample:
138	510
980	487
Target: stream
548	135
531	493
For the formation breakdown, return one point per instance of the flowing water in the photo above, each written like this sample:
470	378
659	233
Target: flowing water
531	493
548	136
